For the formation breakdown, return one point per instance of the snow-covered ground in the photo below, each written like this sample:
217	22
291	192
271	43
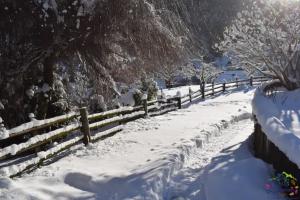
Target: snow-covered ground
184	90
191	153
231	75
224	169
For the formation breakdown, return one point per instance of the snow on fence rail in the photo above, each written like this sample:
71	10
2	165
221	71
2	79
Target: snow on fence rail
214	89
43	139
40	124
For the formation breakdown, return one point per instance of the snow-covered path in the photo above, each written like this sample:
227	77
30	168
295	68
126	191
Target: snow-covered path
157	158
230	146
224	169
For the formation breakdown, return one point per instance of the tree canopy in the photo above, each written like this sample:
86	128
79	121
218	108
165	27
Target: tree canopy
265	37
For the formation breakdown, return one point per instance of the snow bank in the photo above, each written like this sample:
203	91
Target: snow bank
279	116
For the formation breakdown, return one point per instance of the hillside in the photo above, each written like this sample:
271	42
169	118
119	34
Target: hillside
57	54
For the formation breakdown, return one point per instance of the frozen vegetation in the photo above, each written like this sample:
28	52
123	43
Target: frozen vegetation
77	52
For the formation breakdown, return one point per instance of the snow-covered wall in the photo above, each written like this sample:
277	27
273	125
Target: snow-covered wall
279	117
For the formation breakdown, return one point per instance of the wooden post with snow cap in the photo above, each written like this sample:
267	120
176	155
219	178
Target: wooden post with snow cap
178	97
224	87
145	104
190	94
203	90
213	88
85	128
251	81
237	82
32	118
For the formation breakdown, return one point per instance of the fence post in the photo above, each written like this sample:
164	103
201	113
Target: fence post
178	98
213	88
237	82
32	117
203	90
251	81
179	102
145	105
224	87
85	128
190	94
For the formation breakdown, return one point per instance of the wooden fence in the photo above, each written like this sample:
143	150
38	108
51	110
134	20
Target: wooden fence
31	144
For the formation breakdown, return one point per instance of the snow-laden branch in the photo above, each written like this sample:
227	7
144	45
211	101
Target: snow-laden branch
265	38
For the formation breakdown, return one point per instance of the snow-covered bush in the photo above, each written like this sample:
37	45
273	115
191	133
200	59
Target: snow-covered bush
133	95
31	116
97	103
206	73
3	132
149	87
137	96
168	73
58	101
266	38
146	87
127	96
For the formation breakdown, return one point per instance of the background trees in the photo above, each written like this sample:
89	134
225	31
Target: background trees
265	38
48	47
51	48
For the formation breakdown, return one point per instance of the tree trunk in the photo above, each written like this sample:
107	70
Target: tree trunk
49	70
43	101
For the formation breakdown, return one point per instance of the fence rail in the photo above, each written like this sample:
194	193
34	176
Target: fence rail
40	140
